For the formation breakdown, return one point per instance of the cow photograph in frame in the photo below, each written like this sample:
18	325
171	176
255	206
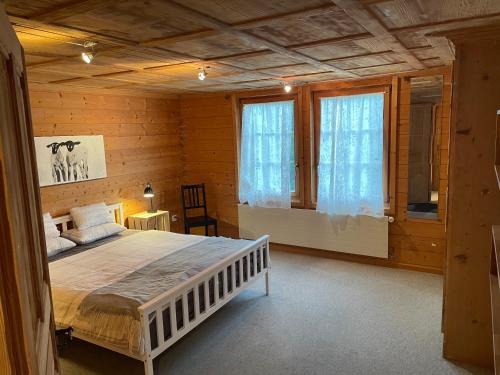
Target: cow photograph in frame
67	159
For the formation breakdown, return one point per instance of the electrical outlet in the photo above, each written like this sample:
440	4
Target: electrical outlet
174	218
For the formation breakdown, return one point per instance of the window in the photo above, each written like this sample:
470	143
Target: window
268	169
351	152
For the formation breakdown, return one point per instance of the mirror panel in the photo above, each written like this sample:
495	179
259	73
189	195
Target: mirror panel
424	147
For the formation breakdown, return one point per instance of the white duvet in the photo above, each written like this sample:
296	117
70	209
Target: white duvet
74	277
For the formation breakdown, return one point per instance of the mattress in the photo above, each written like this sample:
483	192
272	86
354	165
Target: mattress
96	289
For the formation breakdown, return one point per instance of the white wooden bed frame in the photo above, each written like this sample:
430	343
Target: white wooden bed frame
159	316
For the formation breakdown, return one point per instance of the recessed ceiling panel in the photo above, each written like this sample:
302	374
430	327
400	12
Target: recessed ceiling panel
331	23
384	69
132	20
292	70
318	77
360	62
268	59
235	11
213	46
332	51
138	58
78	67
28	8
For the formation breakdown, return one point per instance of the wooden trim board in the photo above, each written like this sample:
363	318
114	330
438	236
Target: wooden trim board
351	258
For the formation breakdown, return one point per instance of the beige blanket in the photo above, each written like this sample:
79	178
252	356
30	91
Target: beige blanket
135	289
74	277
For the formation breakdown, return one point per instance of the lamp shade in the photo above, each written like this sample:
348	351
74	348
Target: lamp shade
148	191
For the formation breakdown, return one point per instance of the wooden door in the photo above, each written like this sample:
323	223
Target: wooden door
27	344
419	164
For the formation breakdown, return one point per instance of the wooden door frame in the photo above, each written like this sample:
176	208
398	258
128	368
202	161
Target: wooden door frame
27	333
10	302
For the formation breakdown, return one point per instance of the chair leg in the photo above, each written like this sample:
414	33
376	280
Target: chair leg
206	230
215	227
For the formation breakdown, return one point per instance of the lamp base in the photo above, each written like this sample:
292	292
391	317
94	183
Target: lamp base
152	211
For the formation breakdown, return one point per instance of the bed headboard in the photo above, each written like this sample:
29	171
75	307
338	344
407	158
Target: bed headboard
116	209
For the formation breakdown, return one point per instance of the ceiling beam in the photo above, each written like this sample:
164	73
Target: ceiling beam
216	24
323	42
460	23
184	37
260	71
361	55
243	55
373	2
366	18
338	59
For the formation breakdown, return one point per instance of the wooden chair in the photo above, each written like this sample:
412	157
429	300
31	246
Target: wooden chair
193	198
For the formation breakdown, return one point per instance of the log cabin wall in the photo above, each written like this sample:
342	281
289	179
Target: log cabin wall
142	143
210	155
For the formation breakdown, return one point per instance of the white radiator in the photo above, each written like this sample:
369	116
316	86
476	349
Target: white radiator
363	235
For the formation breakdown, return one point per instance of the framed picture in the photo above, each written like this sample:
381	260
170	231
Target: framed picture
66	159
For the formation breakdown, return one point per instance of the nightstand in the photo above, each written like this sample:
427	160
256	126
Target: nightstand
159	220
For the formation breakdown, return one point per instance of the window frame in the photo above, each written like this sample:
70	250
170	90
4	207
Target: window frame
389	146
297	197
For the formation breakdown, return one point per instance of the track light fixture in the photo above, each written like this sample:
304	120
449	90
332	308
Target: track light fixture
287	87
87	57
202	74
89	54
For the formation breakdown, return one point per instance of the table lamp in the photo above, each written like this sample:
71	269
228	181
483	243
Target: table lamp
148	193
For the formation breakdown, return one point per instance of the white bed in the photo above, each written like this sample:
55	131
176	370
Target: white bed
158	322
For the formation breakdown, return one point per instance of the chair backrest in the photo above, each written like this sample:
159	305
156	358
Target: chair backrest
193	197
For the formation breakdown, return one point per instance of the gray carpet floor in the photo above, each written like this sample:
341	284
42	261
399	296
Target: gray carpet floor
322	317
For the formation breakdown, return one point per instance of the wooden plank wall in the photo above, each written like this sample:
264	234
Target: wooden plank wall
474	199
209	152
142	143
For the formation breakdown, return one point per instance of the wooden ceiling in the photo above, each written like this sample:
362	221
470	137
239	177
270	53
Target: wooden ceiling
243	44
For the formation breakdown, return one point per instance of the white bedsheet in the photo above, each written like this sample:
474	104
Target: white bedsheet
74	277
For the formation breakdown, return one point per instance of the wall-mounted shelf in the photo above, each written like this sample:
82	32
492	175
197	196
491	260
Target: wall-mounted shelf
495	294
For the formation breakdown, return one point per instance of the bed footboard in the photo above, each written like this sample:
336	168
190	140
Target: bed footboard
171	315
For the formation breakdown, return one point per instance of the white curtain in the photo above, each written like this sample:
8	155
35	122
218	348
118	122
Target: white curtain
350	170
266	154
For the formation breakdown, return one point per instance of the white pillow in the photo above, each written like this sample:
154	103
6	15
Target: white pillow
50	228
88	235
90	216
56	245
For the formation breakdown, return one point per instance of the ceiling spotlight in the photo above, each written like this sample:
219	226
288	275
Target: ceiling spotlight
202	74
287	87
89	54
87	57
